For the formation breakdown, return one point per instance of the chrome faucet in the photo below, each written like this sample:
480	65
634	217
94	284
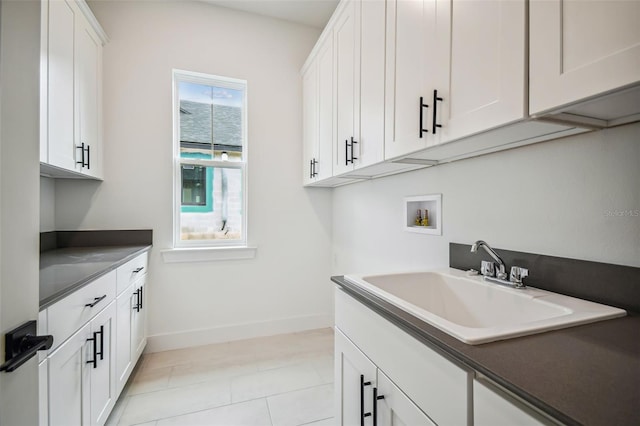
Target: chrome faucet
499	276
501	273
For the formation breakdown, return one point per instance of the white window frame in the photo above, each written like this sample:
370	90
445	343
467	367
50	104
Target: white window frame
218	81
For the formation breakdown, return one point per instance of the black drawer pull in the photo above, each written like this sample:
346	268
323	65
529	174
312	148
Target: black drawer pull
135	271
435	109
96	301
422	106
141	297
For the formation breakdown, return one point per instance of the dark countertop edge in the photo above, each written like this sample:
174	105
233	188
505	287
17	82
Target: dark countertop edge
45	303
422	331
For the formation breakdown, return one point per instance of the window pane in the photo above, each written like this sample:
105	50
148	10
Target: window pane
215	212
210	121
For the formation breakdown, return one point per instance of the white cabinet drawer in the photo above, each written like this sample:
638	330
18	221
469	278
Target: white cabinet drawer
131	271
72	312
435	384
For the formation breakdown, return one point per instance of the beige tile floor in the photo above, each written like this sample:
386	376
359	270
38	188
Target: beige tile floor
284	380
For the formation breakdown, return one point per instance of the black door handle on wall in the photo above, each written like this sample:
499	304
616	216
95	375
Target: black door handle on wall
21	344
422	106
435	109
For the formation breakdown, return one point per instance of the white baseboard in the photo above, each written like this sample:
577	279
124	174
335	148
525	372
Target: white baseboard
206	336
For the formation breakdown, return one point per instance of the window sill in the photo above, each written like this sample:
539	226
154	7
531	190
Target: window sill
207	254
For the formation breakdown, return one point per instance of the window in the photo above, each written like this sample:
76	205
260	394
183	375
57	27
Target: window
210	152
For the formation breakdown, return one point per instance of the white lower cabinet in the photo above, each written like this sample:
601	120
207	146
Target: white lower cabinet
131	336
70	380
102	365
366	395
82	383
435	386
82	377
357	375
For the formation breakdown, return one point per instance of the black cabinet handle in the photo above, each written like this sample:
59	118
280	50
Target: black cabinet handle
353	143
310	169
88	156
376	398
346	152
135	271
422	106
435	109
82	150
94	361
137	305
96	300
141	296
362	413
101	333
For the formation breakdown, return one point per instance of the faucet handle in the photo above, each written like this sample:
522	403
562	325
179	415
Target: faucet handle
488	269
518	274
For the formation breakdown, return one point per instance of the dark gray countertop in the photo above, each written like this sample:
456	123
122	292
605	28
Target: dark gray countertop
65	270
586	375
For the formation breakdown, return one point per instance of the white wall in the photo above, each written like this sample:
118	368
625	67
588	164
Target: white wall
19	176
551	198
286	287
47	204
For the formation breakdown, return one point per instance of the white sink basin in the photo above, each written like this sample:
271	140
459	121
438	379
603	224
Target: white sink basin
475	311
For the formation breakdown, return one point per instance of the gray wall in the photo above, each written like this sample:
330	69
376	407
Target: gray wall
551	198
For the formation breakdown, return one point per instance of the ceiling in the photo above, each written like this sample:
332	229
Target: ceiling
314	13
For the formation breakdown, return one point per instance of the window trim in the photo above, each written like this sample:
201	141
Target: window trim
178	76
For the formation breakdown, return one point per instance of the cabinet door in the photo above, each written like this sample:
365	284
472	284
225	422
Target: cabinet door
487	74
138	321
43	393
394	408
69	380
124	360
89	95
347	66
326	136
355	378
418	35
372	45
310	121
103	378
63	16
580	49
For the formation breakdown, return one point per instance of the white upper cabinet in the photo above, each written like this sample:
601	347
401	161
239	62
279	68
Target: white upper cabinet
487	76
372	57
414	70
310	122
60	130
582	49
71	90
89	92
347	67
318	109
